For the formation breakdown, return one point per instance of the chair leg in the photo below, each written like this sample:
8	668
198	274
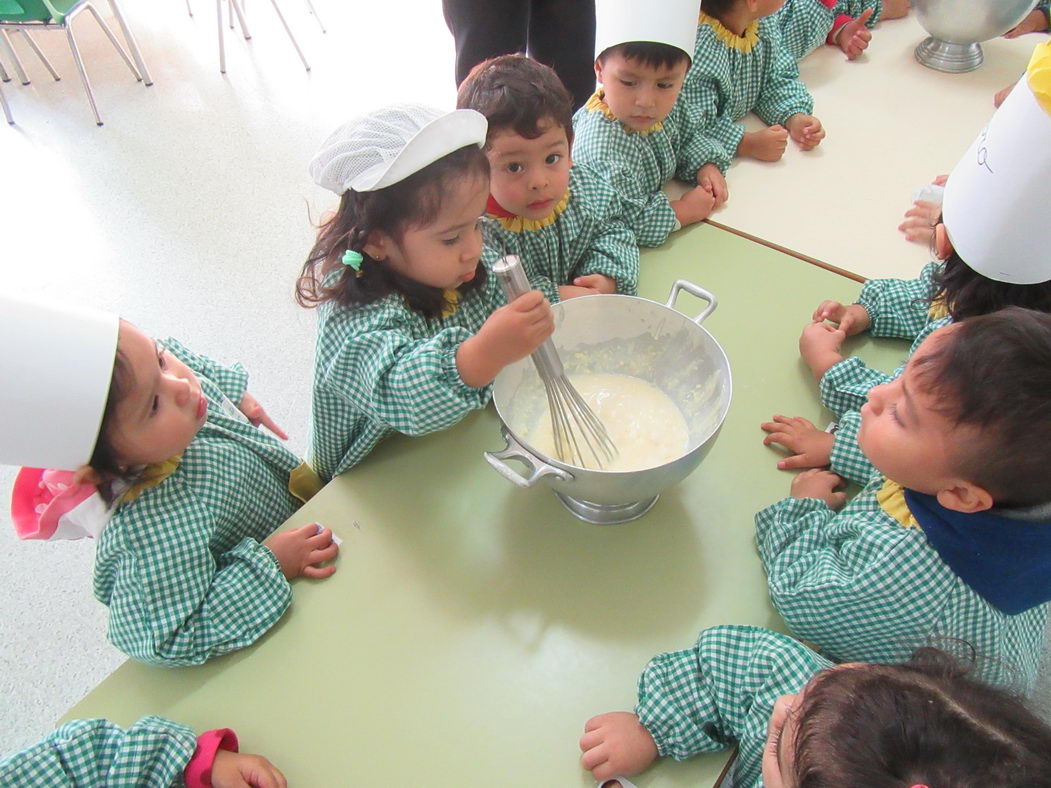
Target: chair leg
83	74
189	8
5	42
222	44
310	8
4	76
133	47
238	9
7	109
112	39
39	54
291	37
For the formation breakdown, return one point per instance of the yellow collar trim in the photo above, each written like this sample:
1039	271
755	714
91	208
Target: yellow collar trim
938	310
452	302
891	499
597	103
517	224
743	43
151	476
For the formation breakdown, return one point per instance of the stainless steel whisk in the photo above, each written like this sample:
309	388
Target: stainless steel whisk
579	434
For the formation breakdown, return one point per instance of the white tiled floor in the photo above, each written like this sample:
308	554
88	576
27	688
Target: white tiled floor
188	213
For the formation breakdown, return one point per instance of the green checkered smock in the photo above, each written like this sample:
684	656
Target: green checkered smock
805	24
637	164
862	587
722	691
725	83
87	753
897	308
384	367
591	236
182	568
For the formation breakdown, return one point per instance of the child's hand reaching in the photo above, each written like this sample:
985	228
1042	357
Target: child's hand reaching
251	408
853	318
592	284
822	485
240	770
616	743
300	550
694	206
511	332
806	130
810	447
853	37
766	144
712	181
819	347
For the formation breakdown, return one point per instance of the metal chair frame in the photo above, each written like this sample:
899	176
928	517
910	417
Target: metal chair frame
235	9
138	67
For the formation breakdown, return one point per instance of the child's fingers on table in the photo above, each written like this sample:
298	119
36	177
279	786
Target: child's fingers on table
321	535
318	572
591	739
595	757
322	555
803	460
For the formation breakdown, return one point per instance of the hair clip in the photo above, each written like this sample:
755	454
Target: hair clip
353	259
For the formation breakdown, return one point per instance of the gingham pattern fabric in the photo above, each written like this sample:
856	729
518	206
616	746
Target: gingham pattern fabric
87	753
805	24
721	691
860	587
591	236
724	84
899	307
846	457
383	367
637	165
182	568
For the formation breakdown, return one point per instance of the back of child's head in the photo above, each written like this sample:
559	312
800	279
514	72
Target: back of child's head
105	461
717	8
993	374
650	54
967	293
926	722
357	162
517	94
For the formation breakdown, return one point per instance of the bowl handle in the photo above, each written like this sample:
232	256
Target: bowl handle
516	451
697	290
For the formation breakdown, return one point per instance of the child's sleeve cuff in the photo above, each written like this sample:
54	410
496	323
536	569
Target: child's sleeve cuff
198	772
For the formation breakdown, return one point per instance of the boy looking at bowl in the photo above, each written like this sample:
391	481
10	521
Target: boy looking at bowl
635	133
951	538
564	222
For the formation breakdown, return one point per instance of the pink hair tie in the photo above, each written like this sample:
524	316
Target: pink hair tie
920	785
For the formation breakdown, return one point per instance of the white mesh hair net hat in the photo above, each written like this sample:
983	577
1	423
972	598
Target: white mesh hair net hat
390	144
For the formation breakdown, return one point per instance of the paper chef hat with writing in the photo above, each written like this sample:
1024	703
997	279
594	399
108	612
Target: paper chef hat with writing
996	200
57	362
671	22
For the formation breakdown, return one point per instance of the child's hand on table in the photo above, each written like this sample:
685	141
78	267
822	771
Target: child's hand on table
766	144
616	743
819	347
300	550
240	770
694	206
712	181
251	408
810	447
592	284
511	332
806	130
852	318
822	485
853	37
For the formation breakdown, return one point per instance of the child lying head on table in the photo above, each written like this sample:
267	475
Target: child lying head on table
800	721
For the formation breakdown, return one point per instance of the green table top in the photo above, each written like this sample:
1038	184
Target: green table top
472	626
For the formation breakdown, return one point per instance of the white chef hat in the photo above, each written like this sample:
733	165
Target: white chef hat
671	22
390	144
996	199
57	364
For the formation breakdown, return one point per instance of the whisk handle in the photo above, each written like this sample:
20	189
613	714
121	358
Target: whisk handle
512	277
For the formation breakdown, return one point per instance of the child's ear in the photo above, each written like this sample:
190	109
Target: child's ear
965	497
598	72
85	474
942	244
376	245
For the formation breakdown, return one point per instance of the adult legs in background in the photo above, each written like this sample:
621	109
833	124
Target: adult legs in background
559	33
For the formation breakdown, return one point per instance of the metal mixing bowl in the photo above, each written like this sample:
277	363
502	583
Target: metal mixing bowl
956	27
630	336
